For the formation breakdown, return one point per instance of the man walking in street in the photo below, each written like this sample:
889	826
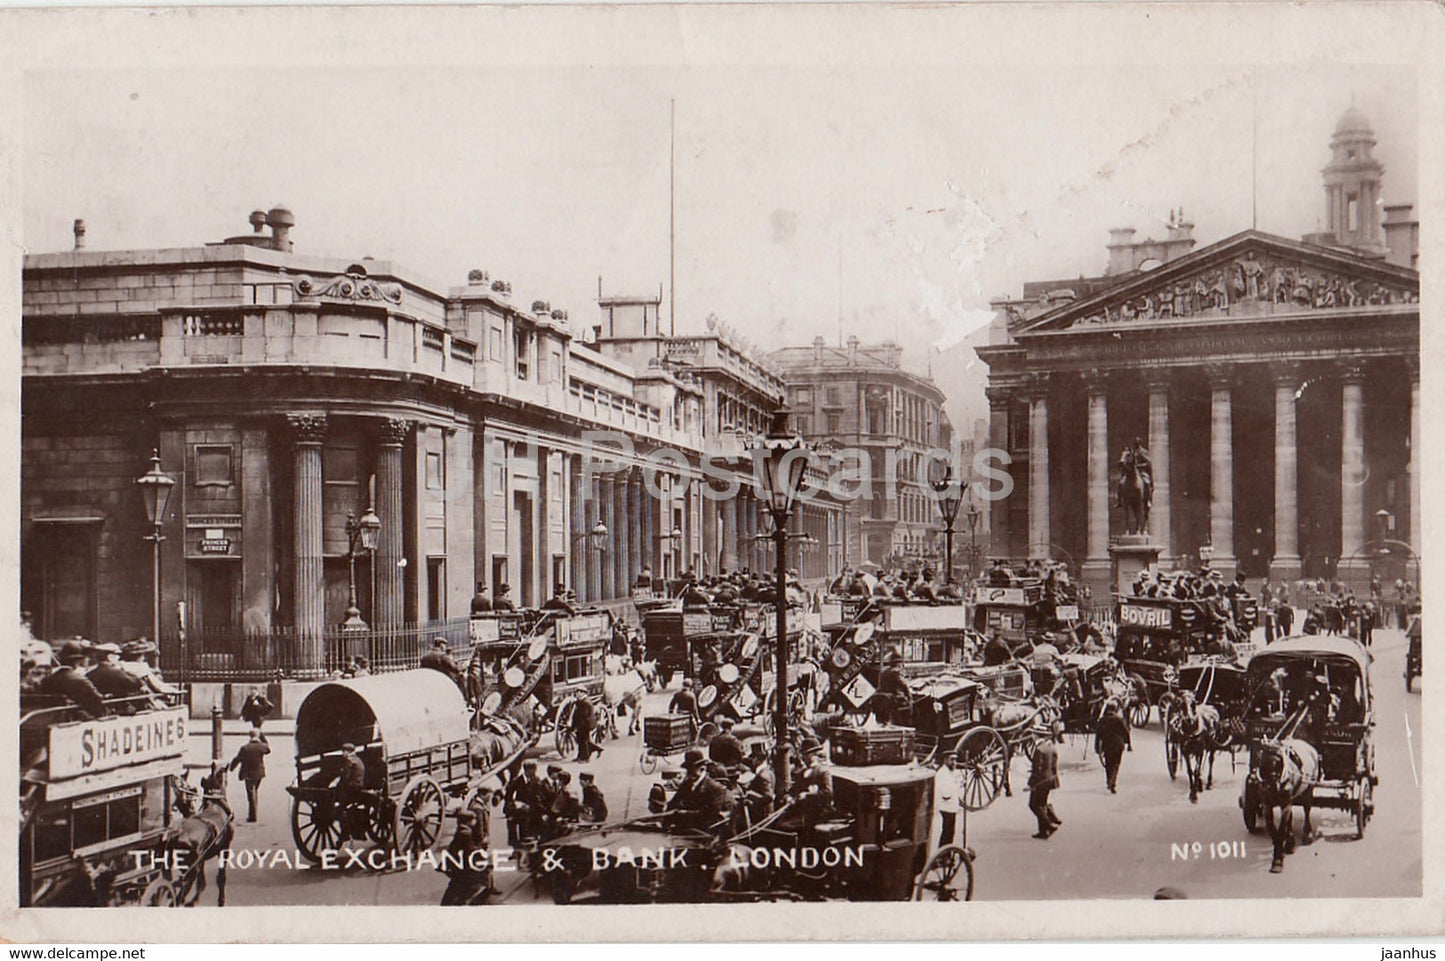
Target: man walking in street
584	721
946	791
251	759
256	708
1042	779
1111	740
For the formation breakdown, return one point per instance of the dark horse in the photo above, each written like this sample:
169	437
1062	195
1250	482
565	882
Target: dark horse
1287	771
1135	493
1196	728
205	832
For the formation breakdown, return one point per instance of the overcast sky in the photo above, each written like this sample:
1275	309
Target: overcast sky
891	197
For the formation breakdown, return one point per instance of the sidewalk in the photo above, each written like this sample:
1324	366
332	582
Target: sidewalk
284	726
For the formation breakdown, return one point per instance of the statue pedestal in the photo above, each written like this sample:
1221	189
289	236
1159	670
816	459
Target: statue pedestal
1129	555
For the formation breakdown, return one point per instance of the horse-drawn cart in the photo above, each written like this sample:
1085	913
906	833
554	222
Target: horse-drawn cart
412	733
97	799
1309	721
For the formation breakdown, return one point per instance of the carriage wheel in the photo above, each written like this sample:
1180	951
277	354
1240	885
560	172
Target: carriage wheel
1164	705
158	894
419	813
316	826
1137	710
948	877
378	823
563	737
1250	805
1364	804
648	762
982	756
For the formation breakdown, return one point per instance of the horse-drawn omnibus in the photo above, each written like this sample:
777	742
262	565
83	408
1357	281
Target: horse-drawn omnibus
928	638
542	664
412	731
97	798
1309	720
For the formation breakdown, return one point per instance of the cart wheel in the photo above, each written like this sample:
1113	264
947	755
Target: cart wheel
379	822
566	742
316	826
948	877
418	820
158	894
1138	709
1364	804
648	762
982	756
1250	805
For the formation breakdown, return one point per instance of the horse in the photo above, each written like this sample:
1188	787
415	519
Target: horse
1287	771
493	740
623	694
1196	727
1135	493
202	834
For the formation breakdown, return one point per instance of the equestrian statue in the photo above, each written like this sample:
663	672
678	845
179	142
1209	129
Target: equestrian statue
1135	492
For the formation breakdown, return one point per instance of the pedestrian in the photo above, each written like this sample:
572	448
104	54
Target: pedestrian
594	804
685	702
1042	779
1286	618
584	722
466	864
725	748
947	790
519	803
251	759
256	708
1111	740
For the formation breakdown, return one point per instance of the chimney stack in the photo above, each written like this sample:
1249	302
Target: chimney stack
853	350
280	220
818	351
79	229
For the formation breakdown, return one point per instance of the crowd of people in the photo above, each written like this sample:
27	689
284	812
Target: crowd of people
99	680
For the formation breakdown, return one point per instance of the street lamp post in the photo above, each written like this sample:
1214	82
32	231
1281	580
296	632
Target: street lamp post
596	539
973	515
948	501
155	487
785	461
360	537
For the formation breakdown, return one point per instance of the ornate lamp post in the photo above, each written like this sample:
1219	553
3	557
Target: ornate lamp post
155	488
948	500
360	539
973	515
784	459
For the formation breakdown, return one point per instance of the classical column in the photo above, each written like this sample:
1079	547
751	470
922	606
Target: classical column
1097	563
1352	468
589	549
1000	401
575	541
1159	513
390	576
1286	564
308	431
729	532
1221	481
1412	469
1039	535
637	547
606	560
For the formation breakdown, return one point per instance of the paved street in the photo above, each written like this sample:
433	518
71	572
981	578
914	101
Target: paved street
1116	846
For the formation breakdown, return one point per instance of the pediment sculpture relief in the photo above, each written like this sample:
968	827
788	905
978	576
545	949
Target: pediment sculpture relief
348	287
1250	285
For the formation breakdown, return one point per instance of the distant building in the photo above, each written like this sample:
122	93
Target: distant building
1274	382
862	397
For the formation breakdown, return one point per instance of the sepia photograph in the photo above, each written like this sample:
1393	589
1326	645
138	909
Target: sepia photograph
755	458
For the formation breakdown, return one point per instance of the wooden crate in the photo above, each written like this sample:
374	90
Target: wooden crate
667	733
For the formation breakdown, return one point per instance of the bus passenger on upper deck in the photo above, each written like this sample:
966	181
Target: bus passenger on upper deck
68	680
644	579
558	601
504	599
481	603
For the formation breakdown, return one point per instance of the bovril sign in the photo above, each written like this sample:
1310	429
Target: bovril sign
112	742
1137	615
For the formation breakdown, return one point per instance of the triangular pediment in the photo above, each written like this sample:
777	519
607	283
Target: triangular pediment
1249	275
